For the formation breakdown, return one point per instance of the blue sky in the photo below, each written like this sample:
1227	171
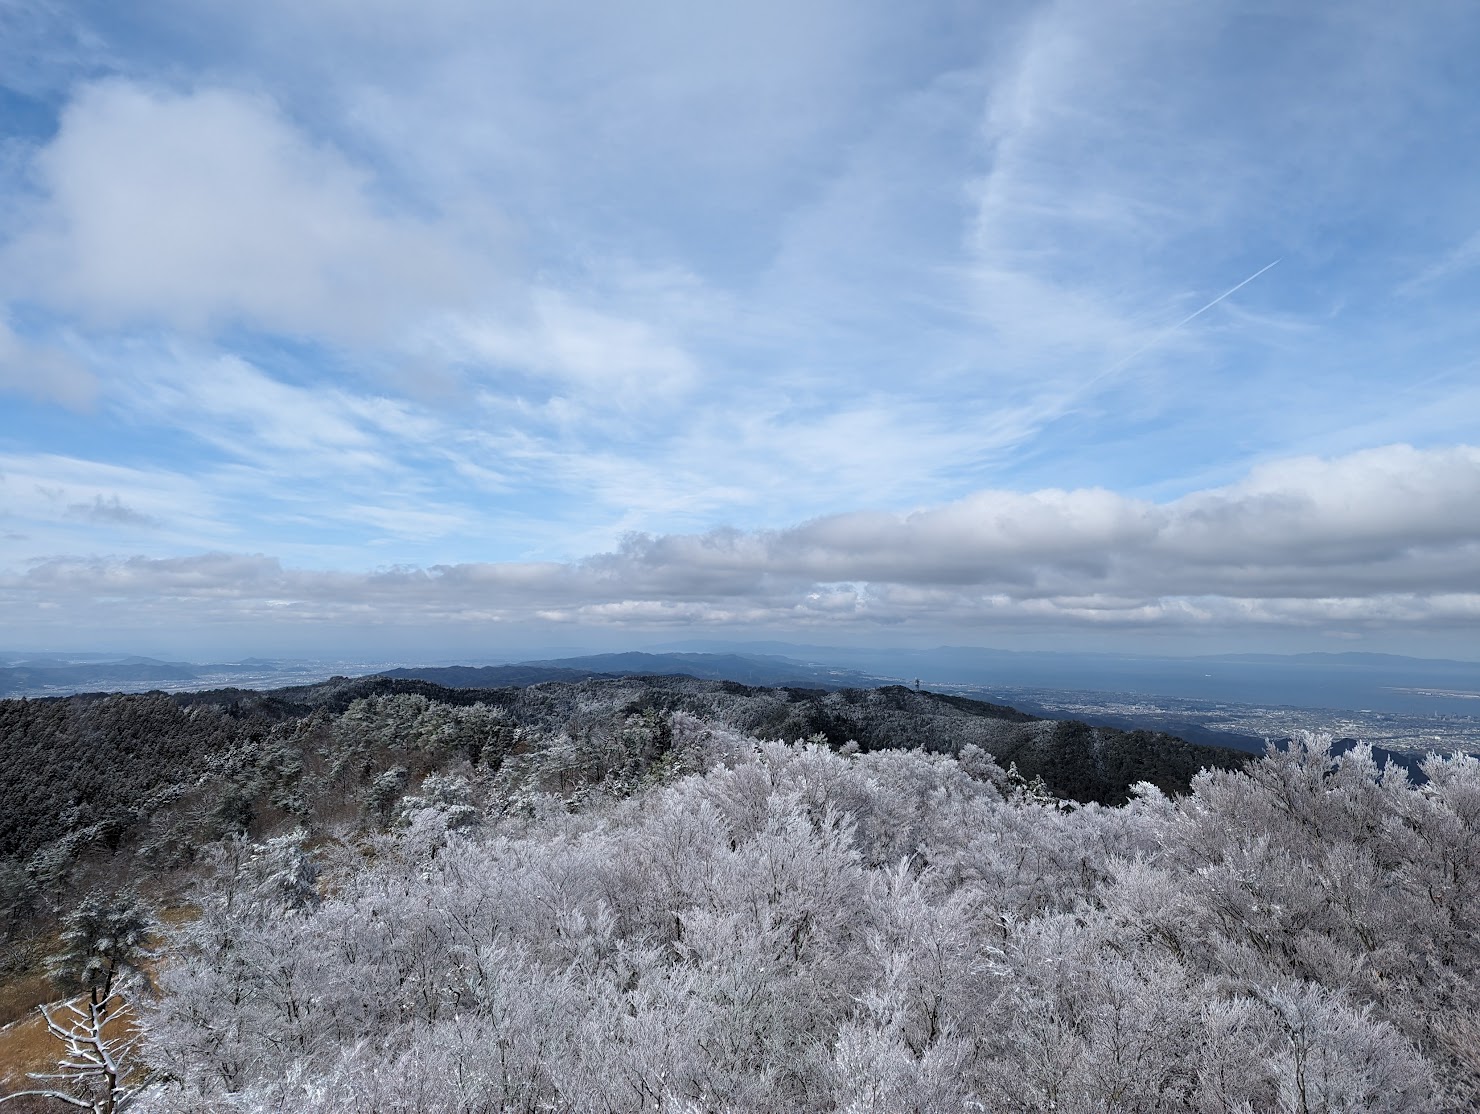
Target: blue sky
460	326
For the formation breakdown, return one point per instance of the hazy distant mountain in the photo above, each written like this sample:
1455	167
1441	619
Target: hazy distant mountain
746	669
11	658
56	674
90	675
488	676
1381	683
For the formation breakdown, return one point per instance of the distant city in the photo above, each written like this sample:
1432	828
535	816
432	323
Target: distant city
1202	721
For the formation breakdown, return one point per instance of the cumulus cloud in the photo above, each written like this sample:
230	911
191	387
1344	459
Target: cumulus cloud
207	208
1382	538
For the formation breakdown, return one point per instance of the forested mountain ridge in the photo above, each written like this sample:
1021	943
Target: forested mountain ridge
748	669
41	674
96	788
90	767
614	895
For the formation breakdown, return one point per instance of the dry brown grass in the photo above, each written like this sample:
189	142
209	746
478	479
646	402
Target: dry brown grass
173	916
22	994
27	1046
25	1043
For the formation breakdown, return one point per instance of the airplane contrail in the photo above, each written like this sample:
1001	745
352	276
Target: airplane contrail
1161	336
1219	298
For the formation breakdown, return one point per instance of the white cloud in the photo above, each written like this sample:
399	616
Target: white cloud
491	281
208	208
1369	505
1298	543
620	360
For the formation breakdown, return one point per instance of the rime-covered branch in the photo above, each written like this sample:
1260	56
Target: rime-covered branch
93	1061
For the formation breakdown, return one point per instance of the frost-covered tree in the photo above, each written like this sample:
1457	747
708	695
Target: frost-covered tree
104	938
97	1069
793	928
